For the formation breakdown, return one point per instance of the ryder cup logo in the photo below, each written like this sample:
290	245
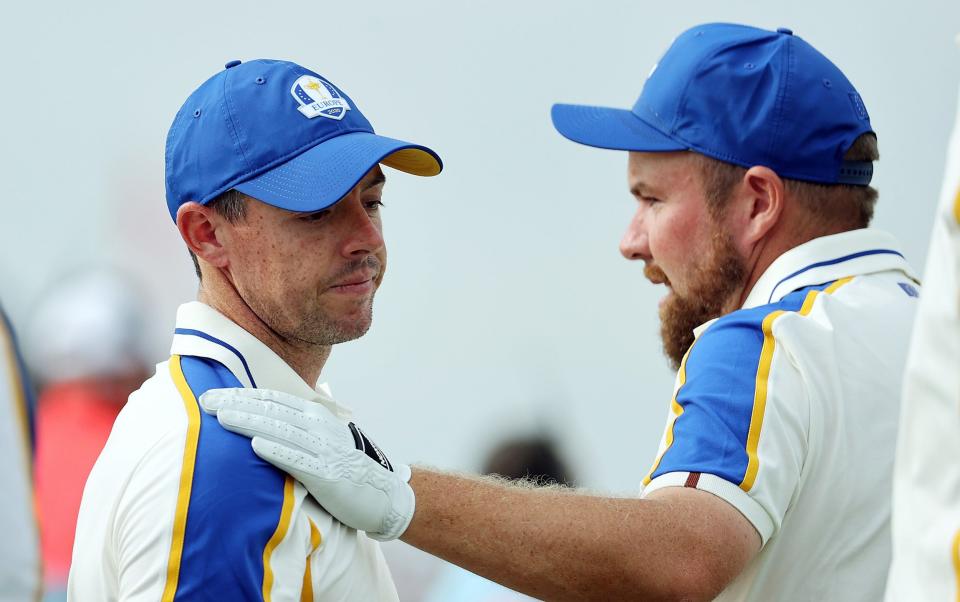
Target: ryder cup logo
318	98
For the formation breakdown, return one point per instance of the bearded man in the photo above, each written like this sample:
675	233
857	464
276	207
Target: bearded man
750	157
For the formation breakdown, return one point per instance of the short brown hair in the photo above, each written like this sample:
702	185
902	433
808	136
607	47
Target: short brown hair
232	206
827	205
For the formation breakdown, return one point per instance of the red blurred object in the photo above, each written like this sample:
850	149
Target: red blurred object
74	419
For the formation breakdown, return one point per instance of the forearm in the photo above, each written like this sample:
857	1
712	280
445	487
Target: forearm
678	544
558	544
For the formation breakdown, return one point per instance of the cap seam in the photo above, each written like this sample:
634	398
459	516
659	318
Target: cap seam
690	146
673	134
168	155
781	98
232	125
683	103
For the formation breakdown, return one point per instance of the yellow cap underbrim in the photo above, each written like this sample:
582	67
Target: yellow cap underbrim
413	161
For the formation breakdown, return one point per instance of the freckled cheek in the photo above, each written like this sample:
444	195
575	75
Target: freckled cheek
295	266
266	260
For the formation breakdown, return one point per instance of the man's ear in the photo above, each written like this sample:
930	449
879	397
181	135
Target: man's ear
760	203
198	225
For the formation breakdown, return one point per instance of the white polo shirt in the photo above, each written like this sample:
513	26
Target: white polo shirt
787	409
178	508
20	573
926	492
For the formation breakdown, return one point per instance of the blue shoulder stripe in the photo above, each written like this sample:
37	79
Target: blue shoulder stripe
235	504
717	398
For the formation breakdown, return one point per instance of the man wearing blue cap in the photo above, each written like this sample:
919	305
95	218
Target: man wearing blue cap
750	157
273	179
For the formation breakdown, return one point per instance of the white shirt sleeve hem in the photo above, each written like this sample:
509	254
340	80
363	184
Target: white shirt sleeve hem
723	489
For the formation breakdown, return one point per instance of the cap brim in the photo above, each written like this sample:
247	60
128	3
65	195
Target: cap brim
324	174
615	129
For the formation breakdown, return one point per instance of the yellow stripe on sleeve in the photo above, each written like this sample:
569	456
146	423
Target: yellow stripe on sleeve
833	287
186	479
282	527
677	410
306	594
955	553
956	208
763	376
760	396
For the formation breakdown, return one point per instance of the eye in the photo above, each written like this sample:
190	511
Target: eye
316	216
649	200
373	205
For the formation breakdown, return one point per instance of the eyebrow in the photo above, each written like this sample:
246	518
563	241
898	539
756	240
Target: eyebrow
642	188
375	181
638	189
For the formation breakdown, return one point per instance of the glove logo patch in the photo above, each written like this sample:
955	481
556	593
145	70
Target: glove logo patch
368	447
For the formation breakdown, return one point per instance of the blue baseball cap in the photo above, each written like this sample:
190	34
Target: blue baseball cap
280	133
742	95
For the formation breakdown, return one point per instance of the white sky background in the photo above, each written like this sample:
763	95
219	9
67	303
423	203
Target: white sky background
506	307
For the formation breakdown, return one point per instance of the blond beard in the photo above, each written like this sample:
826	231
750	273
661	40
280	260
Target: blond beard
713	284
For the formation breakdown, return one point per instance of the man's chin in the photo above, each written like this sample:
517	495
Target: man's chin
334	327
348	330
676	330
714	284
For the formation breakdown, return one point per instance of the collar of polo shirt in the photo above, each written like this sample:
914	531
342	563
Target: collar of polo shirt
824	259
828	258
204	332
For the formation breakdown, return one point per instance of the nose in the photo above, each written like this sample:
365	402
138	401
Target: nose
364	235
635	243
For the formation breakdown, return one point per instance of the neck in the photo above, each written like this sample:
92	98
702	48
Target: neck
764	257
770	248
306	359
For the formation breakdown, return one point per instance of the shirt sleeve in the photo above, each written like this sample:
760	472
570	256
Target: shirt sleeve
20	568
235	528
738	421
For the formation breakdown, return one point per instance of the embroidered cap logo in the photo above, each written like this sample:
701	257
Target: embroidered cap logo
318	98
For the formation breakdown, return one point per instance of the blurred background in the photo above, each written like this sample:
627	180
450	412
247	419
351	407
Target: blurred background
507	311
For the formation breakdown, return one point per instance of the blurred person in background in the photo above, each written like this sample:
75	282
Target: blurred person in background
926	483
20	562
786	317
84	344
526	461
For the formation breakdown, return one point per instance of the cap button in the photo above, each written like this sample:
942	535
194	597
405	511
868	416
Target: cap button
785	31
232	63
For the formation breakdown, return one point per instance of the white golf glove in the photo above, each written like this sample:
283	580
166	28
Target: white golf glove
349	475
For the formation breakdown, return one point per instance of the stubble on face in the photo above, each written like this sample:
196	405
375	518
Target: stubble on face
310	321
712	285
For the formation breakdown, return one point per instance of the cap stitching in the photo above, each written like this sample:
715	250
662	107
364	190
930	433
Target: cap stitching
228	109
674	135
781	99
685	97
168	154
691	146
250	174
